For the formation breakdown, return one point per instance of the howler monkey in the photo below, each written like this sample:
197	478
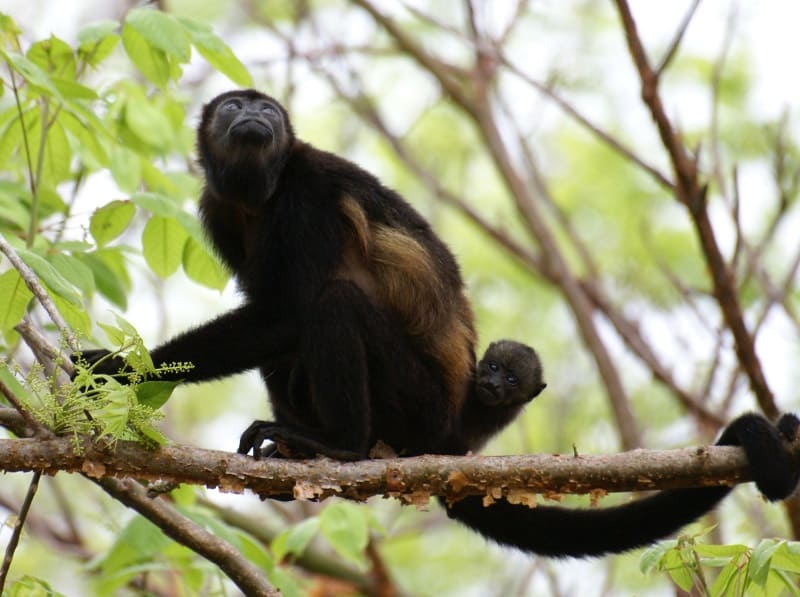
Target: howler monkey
507	378
355	314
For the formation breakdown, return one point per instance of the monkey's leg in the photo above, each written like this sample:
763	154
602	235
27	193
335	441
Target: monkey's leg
332	356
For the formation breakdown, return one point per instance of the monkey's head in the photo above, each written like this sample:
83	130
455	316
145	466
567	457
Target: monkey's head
244	139
510	373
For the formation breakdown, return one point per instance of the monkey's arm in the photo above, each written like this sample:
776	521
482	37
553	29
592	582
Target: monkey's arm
236	341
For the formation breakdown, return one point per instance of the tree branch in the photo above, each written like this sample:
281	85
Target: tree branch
412	480
692	194
246	576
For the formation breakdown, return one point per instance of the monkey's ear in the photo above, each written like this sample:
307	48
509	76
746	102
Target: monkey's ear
538	390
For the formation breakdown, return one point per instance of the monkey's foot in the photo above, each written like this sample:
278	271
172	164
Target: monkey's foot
289	443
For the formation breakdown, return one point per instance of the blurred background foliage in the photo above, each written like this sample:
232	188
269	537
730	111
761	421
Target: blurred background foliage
98	189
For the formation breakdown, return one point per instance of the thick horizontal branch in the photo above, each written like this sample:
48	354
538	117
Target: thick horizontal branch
410	479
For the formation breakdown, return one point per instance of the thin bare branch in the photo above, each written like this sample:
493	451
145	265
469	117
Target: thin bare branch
613	143
16	533
692	194
678	38
32	282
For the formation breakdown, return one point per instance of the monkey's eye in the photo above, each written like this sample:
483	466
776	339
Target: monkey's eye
268	109
493	366
512	379
232	104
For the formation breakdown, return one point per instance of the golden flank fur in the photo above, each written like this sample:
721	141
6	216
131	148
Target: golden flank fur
396	271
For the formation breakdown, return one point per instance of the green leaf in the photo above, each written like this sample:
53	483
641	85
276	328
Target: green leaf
217	52
346	527
139	541
161	30
715	551
31	72
787	557
125	168
73	90
295	539
148	123
75	316
155	393
151	61
110	280
13	200
55	56
111	220
14	299
726	578
682	577
202	267
157	204
28	586
50	276
97	41
86	136
115	335
651	558
760	560
75	271
13	383
57	155
113	415
162	245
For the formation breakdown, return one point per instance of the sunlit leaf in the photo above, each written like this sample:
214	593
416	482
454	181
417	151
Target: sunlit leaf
14	299
111	220
151	61
217	52
162	245
161	30
155	393
346	527
50	275
97	41
75	271
202	267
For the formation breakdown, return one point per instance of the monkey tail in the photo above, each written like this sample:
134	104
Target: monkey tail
563	532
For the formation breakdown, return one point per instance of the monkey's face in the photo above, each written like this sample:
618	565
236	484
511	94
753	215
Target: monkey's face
241	127
509	374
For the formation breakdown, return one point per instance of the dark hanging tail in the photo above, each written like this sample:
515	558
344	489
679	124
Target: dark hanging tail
555	531
563	532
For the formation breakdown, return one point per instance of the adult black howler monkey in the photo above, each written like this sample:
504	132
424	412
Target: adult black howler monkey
356	316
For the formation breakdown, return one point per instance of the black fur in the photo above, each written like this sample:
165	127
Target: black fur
317	245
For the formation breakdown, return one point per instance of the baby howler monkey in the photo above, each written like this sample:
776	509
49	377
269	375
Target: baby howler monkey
355	314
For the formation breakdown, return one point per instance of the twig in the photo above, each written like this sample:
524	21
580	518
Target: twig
41	346
678	38
17	532
32	282
606	138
